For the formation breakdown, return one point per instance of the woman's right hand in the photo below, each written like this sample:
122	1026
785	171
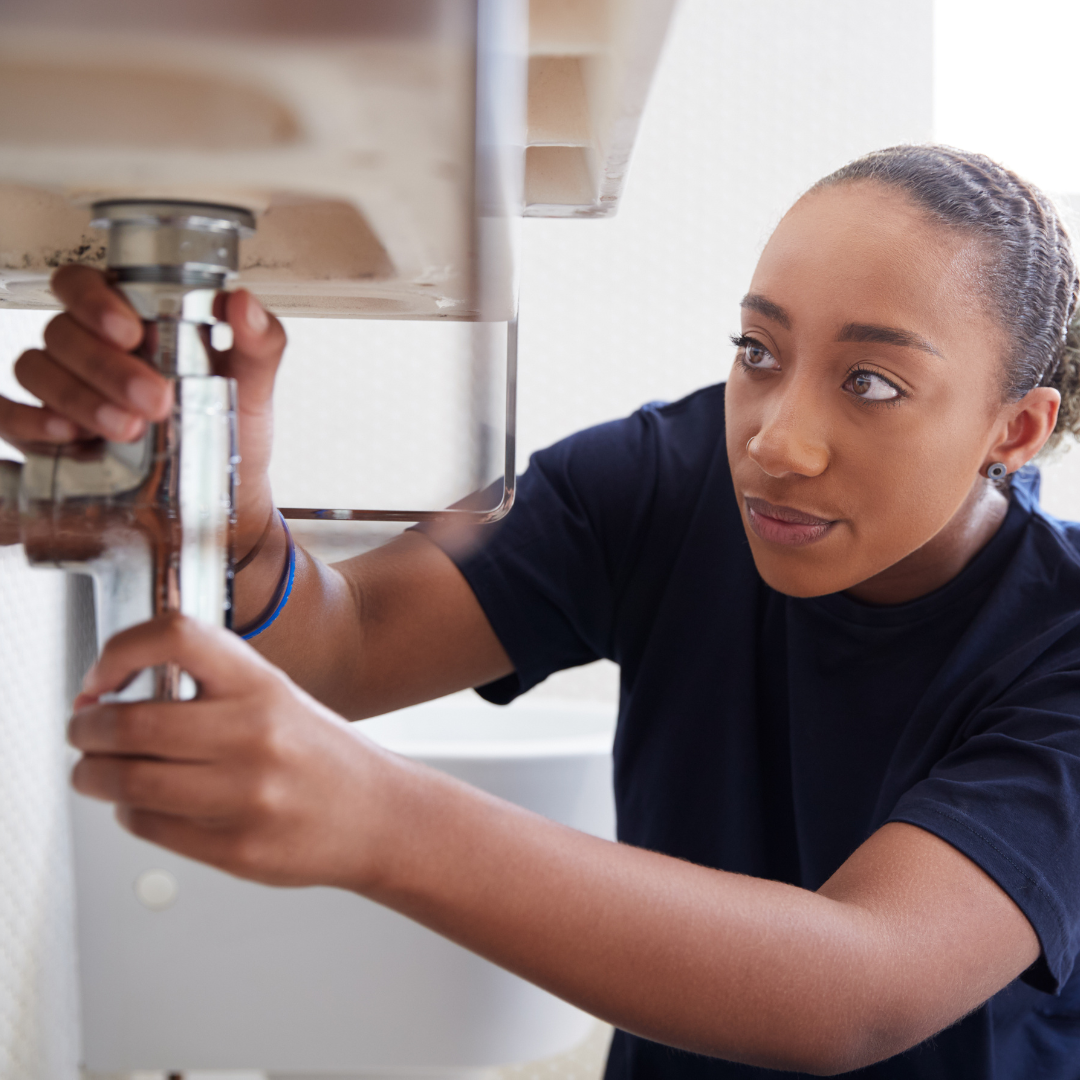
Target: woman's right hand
91	385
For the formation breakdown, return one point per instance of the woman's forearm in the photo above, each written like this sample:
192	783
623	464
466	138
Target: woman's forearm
387	629
316	638
717	963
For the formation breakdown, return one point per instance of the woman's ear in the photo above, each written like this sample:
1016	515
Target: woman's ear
1030	424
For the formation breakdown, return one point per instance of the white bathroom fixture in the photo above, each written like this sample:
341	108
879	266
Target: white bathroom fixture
347	128
590	66
186	968
384	147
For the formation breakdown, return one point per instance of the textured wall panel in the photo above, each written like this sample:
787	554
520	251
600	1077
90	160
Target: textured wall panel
38	1017
38	1024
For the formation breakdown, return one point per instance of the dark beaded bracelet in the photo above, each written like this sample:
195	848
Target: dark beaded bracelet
249	558
281	593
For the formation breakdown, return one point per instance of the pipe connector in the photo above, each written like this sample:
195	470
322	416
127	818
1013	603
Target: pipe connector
169	258
166	241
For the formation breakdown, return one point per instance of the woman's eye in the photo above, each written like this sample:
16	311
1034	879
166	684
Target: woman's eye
871	387
755	355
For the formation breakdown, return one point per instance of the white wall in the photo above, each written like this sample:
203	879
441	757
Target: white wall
1005	84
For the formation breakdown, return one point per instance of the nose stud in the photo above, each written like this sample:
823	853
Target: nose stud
996	470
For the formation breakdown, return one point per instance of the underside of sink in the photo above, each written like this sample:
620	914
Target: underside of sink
354	148
358	133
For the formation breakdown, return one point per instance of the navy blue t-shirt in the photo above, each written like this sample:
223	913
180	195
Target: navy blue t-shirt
771	736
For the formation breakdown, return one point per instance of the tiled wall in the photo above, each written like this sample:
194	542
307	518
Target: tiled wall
38	1022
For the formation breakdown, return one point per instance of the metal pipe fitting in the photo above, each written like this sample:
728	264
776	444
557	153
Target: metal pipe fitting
151	520
163	240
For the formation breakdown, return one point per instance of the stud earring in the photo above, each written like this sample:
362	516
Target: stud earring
996	471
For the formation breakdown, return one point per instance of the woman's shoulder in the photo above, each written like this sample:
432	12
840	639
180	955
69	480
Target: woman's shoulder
625	475
623	496
695	420
1051	544
674	443
1030	624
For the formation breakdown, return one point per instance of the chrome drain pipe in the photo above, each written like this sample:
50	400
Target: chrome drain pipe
151	520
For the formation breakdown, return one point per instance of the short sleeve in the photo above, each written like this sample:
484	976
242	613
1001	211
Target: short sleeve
1008	797
549	575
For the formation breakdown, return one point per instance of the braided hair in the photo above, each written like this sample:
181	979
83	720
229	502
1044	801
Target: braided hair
1030	278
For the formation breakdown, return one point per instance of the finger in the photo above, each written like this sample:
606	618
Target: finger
166	787
23	424
210	842
97	306
116	375
69	396
188	731
83	700
258	343
222	664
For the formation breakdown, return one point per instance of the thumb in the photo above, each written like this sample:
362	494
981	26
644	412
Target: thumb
221	663
258	343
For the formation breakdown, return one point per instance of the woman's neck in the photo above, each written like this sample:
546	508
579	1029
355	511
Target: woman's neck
942	557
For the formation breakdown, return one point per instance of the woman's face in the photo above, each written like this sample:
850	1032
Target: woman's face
868	386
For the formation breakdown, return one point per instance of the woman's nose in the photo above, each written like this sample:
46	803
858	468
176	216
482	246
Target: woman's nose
789	444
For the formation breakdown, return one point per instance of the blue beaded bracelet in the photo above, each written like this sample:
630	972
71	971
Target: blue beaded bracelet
281	593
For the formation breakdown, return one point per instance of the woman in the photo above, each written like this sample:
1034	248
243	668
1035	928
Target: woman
848	754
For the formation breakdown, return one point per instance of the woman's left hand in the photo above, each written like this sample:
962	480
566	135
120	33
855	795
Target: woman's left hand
254	776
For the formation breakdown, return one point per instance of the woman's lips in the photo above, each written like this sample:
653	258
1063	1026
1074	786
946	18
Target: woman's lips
784	524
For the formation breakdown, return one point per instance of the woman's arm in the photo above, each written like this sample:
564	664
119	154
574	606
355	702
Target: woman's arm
388	629
907	937
391	628
257	778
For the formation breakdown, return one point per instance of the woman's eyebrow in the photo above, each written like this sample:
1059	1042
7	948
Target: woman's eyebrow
885	335
764	306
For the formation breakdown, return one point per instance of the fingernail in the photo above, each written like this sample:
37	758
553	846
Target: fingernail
257	319
221	337
116	421
144	394
61	430
120	329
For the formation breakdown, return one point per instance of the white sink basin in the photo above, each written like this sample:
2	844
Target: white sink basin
206	972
